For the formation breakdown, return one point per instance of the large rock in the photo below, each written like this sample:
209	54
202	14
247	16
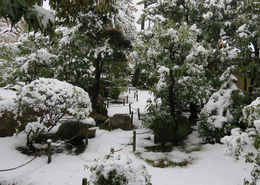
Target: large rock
75	129
7	124
121	121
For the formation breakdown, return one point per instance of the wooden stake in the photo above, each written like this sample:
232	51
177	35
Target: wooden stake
129	108
86	142
138	111
84	181
132	118
49	150
134	141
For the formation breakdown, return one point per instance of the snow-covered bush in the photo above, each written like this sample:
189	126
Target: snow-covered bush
44	102
221	111
119	169
245	144
251	113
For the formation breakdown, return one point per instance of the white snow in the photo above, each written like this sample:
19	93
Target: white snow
208	164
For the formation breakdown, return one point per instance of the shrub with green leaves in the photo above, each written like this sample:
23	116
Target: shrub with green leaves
119	169
159	120
42	103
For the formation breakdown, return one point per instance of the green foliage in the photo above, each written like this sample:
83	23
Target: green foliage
160	120
113	178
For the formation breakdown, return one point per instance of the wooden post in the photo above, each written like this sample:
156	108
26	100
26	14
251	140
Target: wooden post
132	118
138	112
129	90
137	97
112	150
124	101
86	142
108	103
134	94
129	108
127	99
84	181
134	141
109	125
49	150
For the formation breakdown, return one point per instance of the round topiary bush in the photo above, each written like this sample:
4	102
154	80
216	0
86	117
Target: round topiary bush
119	170
42	103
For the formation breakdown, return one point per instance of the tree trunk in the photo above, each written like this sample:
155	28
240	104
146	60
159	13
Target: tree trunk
136	77
96	85
193	112
172	98
253	73
245	84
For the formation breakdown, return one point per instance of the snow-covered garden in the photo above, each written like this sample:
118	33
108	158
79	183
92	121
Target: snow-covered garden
194	162
191	73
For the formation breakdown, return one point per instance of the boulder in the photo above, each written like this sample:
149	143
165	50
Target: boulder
71	129
121	121
7	124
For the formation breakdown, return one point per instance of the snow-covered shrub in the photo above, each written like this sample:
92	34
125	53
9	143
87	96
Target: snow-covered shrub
251	113
44	102
221	111
245	144
119	169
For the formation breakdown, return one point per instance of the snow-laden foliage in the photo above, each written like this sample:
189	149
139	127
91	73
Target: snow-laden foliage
219	113
119	169
172	53
245	144
251	112
45	101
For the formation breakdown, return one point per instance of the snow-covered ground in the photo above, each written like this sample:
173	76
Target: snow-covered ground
208	165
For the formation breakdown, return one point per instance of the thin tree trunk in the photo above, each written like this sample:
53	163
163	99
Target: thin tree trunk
193	112
96	85
172	98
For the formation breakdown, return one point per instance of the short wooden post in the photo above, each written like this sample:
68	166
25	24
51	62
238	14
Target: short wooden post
129	90
108	103
124	101
129	108
136	97
134	141
87	132
132	118
84	181
112	150
109	125
49	150
138	112
127	99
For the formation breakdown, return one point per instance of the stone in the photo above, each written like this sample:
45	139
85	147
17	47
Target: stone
70	129
7	124
121	121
